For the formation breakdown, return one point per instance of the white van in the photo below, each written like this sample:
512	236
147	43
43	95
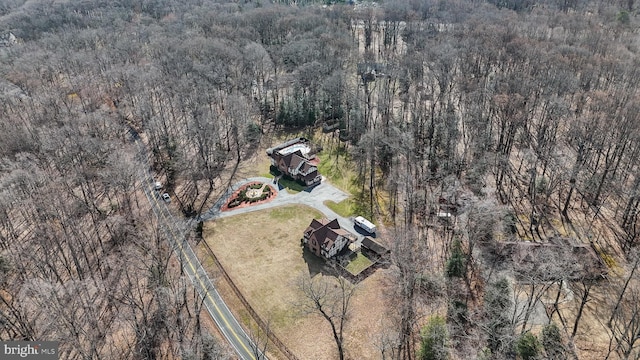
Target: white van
365	224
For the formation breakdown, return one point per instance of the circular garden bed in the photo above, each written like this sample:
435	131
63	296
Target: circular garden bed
249	194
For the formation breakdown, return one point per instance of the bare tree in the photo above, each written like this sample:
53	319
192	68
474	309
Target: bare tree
386	341
330	298
498	325
259	339
584	290
410	258
624	322
625	327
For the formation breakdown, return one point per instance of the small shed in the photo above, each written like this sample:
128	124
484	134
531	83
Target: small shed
374	246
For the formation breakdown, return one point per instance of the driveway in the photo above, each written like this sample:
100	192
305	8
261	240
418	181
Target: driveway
313	197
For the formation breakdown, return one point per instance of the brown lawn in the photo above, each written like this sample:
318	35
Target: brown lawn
262	253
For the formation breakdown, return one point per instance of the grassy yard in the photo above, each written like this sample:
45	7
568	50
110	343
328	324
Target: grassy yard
358	264
345	208
262	253
335	165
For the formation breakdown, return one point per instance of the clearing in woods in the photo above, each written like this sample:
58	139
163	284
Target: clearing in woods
261	252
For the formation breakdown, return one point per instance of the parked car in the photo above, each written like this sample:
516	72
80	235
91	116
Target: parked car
166	197
157	185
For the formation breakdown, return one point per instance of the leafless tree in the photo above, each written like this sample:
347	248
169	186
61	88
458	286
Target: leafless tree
410	259
386	341
624	322
583	289
259	339
330	298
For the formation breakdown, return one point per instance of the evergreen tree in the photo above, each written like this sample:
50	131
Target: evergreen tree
434	339
528	346
457	261
552	343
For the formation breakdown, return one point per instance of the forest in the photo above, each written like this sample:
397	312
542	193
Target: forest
519	118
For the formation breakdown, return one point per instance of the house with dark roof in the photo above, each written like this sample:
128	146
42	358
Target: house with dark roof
291	158
325	238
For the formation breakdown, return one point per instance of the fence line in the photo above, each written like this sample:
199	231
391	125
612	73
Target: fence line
263	325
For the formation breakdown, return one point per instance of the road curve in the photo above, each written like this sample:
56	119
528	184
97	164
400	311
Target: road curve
175	229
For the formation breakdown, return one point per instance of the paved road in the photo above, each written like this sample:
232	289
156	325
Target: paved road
314	197
175	229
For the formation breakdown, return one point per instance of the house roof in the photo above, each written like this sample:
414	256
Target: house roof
286	144
326	232
293	160
310	176
315	225
374	246
306	166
